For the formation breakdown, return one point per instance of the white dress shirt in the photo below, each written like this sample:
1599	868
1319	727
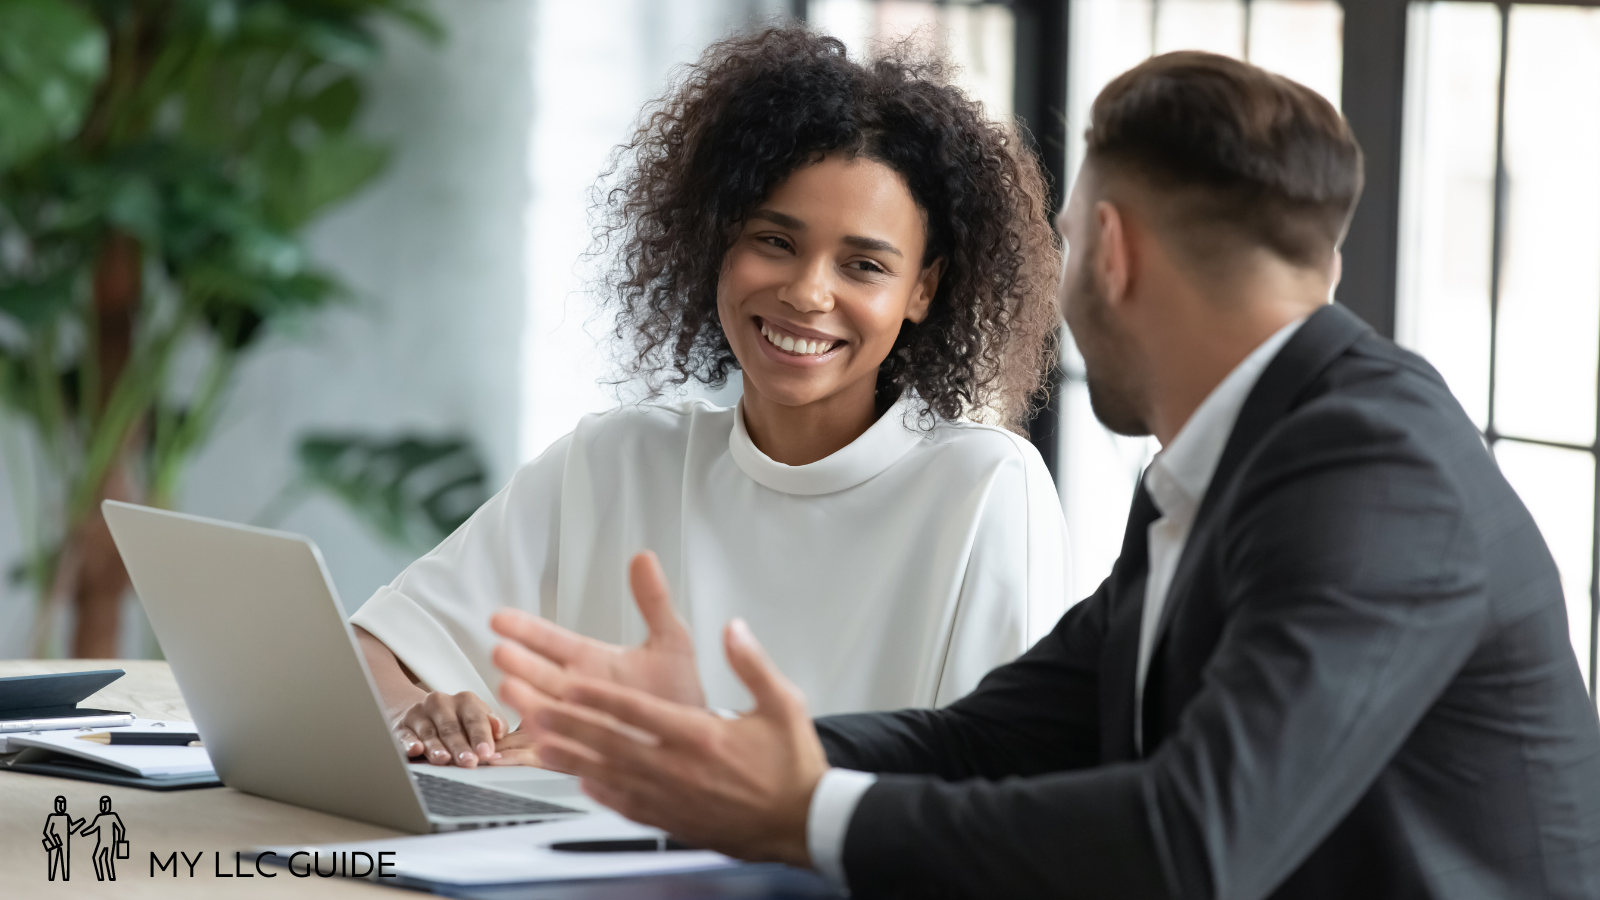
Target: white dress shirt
895	572
1177	480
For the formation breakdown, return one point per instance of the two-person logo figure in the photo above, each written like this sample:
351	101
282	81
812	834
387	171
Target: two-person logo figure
110	841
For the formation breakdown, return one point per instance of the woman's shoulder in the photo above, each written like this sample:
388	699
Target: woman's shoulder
655	419
982	445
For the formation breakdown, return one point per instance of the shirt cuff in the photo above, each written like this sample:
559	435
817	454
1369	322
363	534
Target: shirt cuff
833	804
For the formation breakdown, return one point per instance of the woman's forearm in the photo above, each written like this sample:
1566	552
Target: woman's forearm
396	689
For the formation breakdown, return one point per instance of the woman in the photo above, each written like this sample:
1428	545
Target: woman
874	257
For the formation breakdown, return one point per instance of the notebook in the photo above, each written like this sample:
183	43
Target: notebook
63	753
44	702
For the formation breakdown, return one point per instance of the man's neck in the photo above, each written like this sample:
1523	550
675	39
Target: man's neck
1192	356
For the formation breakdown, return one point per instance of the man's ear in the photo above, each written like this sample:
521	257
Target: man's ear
927	287
1113	260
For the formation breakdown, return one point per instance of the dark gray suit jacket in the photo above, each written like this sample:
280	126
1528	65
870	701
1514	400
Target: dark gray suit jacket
1365	686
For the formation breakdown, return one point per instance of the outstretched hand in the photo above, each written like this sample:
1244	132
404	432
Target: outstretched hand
542	658
742	786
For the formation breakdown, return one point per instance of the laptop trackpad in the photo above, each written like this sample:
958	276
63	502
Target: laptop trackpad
525	780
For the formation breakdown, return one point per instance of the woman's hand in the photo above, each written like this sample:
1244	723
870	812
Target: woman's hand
516	749
450	728
543	656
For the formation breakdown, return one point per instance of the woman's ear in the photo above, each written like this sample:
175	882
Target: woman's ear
927	287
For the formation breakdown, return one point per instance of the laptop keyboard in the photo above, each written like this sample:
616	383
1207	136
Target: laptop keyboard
447	797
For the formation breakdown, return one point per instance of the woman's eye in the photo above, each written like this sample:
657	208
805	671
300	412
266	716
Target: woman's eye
773	240
867	265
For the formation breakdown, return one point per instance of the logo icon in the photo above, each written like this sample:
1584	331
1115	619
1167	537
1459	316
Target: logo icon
110	840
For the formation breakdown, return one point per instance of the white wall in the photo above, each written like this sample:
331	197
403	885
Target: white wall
434	256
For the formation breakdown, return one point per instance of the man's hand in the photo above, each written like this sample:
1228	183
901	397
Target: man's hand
545	656
742	787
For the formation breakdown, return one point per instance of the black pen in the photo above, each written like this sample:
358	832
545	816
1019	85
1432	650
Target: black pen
158	738
628	845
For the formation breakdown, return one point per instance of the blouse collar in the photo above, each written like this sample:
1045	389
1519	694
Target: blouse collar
878	448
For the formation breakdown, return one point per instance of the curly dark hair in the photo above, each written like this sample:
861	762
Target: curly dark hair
756	108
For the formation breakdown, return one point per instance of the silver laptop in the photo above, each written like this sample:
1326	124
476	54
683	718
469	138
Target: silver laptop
270	670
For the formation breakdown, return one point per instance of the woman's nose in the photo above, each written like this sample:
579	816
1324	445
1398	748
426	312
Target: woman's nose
809	290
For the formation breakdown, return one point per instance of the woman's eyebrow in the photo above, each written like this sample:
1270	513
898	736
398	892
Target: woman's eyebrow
783	220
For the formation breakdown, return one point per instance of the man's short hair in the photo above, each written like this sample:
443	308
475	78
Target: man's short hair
1235	155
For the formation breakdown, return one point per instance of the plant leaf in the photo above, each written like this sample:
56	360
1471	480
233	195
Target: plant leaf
52	55
33	304
412	490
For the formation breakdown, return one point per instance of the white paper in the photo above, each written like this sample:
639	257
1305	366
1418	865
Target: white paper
148	761
521	854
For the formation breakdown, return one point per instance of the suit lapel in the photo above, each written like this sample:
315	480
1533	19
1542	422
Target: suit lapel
1326	335
1120	657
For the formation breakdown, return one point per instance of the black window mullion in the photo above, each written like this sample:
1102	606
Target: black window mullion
1372	88
1245	44
1042	36
1155	22
1497	221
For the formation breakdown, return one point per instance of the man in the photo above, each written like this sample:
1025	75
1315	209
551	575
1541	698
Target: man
1331	661
59	827
110	839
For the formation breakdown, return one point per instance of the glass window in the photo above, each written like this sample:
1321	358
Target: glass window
1214	25
1549	311
1558	487
1520	350
979	38
1447	215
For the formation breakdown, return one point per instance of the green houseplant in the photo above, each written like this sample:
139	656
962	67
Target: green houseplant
158	159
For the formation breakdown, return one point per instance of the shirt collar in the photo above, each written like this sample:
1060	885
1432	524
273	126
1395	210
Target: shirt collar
1178	476
879	447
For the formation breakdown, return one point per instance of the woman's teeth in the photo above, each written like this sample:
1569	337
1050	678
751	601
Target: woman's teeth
790	345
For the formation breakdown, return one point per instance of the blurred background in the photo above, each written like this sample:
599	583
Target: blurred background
317	263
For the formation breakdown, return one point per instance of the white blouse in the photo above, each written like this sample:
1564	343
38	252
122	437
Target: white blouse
893	573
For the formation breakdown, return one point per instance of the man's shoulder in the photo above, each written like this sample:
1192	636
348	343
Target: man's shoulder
1377	392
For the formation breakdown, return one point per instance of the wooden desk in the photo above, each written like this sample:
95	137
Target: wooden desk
209	819
223	819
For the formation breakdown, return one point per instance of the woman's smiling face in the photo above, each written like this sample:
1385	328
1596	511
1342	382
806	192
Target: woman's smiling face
818	281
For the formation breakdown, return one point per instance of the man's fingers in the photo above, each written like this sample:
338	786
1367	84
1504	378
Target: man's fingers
523	697
614	742
562	755
545	638
541	673
652	715
654	599
750	662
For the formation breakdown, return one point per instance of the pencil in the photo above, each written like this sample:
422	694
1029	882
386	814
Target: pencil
157	738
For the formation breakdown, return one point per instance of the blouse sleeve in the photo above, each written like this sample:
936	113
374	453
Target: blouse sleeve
1014	587
435	615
